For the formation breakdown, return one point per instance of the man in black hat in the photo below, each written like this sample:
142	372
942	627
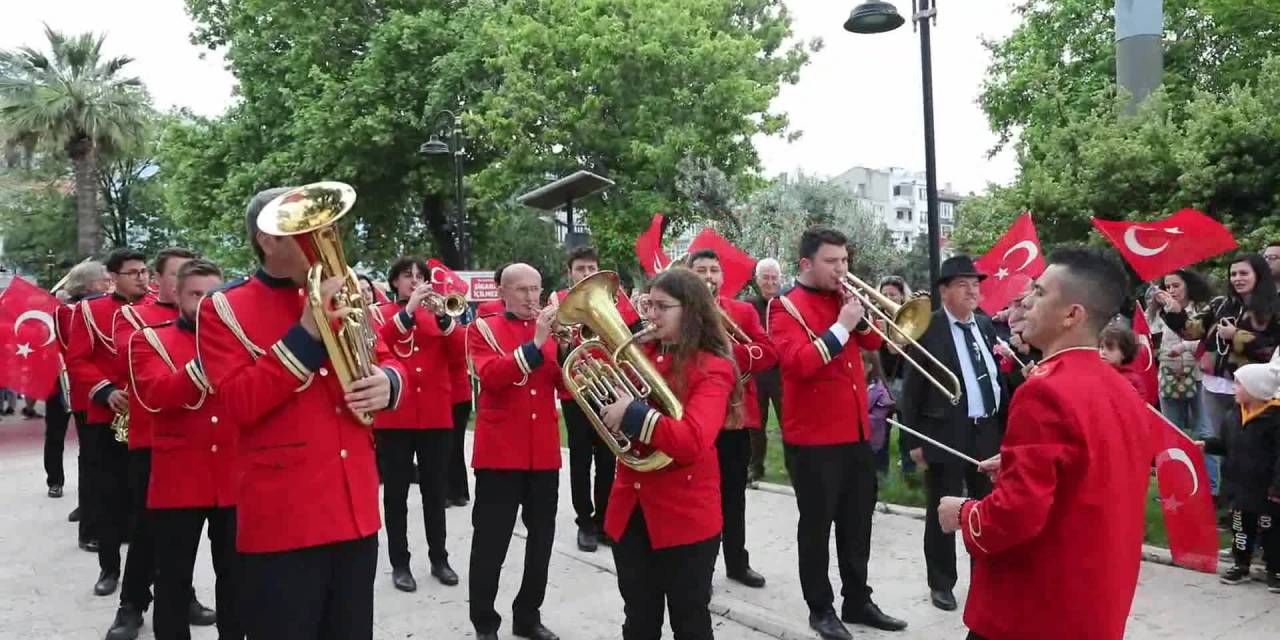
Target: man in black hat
962	341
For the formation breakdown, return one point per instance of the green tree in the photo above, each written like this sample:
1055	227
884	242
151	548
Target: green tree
76	102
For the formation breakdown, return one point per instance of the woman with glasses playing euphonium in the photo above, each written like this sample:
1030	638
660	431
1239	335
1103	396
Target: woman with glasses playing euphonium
667	522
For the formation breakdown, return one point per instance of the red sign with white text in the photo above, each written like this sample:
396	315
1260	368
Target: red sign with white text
481	285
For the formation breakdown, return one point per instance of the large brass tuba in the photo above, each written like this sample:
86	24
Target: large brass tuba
610	359
309	214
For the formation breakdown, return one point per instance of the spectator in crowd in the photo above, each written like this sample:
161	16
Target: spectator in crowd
895	288
1272	255
1119	346
880	405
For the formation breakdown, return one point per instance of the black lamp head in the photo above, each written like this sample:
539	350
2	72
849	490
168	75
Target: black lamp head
873	16
434	147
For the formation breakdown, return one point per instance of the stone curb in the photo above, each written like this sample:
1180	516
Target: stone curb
1158	555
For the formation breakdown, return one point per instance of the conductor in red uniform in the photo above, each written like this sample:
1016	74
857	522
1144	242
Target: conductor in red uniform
193	471
93	365
422	426
516	454
307	509
753	355
819	335
667	522
1056	546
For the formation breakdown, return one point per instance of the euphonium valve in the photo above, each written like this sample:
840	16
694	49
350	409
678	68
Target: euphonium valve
120	426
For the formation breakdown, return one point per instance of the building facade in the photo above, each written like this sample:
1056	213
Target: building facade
899	198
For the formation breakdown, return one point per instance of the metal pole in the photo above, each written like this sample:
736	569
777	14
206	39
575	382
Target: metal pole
1139	51
464	227
922	18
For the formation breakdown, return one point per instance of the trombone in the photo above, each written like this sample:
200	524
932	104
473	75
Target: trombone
736	334
907	322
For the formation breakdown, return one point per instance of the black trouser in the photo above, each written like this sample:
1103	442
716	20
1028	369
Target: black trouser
140	565
499	493
974	636
108	468
86	498
317	593
946	479
679	576
1252	529
458	452
55	439
733	449
179	531
766	394
398	448
585	446
833	484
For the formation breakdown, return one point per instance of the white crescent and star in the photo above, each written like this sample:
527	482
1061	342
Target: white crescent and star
39	316
1174	453
1131	241
1031	249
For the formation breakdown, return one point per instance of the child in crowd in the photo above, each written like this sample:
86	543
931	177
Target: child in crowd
880	405
1118	345
1250	440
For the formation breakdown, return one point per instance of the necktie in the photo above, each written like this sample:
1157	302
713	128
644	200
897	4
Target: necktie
979	368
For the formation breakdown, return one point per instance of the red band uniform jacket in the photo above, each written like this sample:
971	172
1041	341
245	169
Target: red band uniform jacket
420	342
1056	546
128	320
309	471
459	374
752	358
63	317
193	441
681	502
823	384
517	424
93	362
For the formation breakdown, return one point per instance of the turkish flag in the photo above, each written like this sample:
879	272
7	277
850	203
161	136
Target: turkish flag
1145	362
445	280
737	264
1188	508
1011	263
29	355
649	247
1159	247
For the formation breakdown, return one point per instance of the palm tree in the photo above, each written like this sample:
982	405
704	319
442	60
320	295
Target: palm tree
76	102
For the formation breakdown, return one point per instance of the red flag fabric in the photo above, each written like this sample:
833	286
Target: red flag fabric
1184	496
1011	263
649	247
29	362
1159	247
737	264
1146	360
445	280
380	296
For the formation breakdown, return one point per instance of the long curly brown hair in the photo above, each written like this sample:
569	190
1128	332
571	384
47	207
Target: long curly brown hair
700	330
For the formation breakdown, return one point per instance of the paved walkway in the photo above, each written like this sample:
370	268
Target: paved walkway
46	582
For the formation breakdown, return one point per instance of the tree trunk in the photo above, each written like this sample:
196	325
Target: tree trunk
85	161
442	229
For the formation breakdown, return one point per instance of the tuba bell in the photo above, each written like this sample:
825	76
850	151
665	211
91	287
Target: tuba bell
610	359
310	214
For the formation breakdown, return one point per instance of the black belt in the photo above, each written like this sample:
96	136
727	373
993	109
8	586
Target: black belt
980	420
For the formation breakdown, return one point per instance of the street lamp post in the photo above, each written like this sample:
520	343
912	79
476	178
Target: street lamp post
874	16
435	147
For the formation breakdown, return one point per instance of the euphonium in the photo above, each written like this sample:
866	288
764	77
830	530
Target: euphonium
120	426
610	359
309	214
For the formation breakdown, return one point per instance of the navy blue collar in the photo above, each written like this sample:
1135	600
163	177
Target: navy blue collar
273	281
185	324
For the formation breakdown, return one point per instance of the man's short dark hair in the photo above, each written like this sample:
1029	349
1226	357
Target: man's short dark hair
893	281
814	237
585	253
1121	338
403	265
197	267
116	259
165	255
1095	281
497	273
1273	243
702	254
256	203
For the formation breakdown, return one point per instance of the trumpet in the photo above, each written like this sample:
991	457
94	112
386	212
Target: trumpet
442	304
906	322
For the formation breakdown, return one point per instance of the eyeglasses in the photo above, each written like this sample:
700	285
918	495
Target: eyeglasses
663	307
1272	257
135	273
528	291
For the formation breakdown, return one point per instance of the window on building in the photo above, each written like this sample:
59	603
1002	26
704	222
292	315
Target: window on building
897	189
920	193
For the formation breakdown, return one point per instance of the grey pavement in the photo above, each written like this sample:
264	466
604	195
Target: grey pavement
46	582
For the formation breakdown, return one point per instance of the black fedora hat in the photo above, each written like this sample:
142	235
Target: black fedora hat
957	266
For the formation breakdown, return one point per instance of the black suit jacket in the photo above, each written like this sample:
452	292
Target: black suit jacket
925	409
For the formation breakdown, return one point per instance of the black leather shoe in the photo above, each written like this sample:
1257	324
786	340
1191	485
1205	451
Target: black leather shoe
603	539
747	576
486	635
870	615
126	625
444	573
55	491
535	632
199	615
402	578
106	584
586	540
829	626
89	545
74	516
459	502
943	599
